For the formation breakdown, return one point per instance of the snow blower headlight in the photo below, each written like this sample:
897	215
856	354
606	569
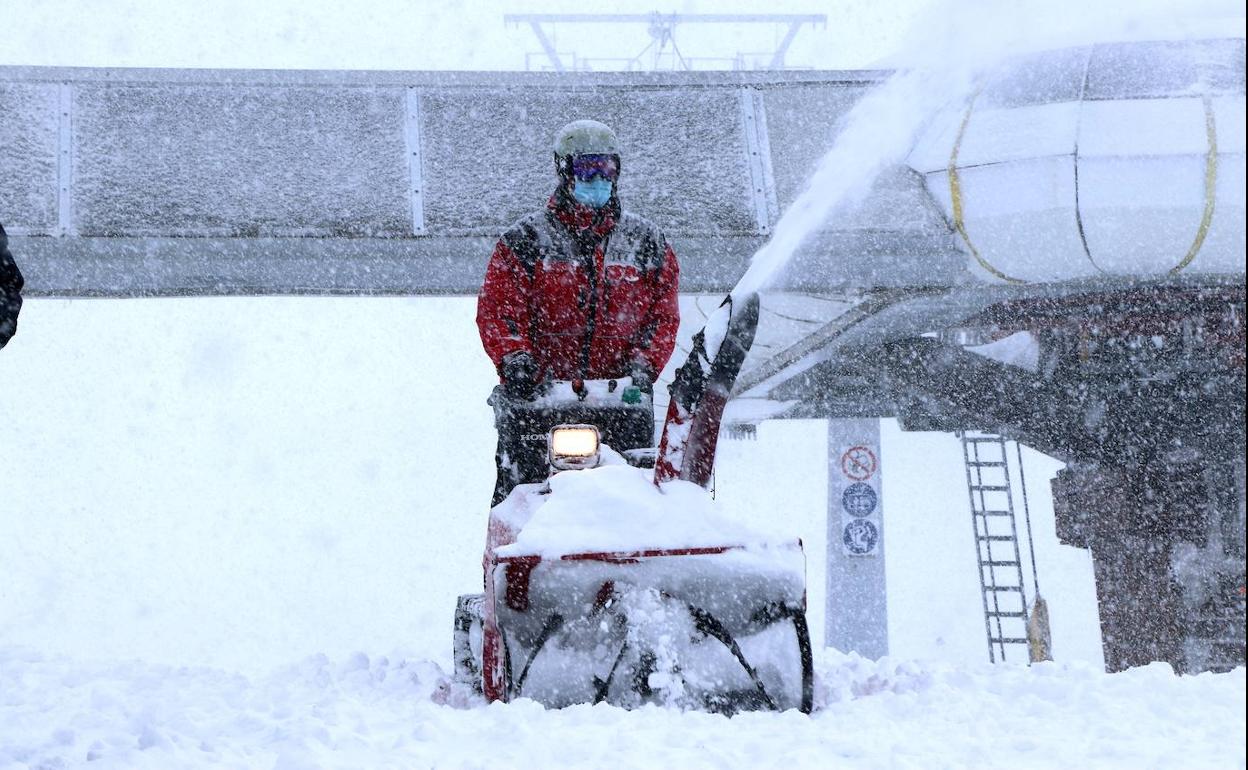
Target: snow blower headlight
573	446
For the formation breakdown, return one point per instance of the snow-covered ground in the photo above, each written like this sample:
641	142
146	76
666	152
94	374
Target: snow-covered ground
379	712
232	531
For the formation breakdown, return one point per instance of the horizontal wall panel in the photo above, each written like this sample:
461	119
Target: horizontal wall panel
207	160
28	161
187	182
142	267
488	156
802	123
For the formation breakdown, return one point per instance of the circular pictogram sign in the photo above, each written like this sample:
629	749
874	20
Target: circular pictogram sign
860	537
859	500
858	463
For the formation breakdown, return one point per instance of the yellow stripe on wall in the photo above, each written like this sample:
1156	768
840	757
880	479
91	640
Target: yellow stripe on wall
955	192
1211	180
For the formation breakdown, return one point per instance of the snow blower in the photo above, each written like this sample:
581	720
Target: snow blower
607	581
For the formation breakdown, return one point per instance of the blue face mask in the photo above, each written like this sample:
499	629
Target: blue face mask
595	193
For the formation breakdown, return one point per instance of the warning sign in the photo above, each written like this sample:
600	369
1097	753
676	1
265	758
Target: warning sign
858	463
860	537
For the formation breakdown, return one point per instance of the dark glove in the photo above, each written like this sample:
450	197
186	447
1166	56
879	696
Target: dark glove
519	375
643	376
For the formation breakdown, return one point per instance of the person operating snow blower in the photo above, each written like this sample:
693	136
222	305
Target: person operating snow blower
580	290
603	581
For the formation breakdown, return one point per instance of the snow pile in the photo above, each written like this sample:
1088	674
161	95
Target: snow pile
1020	349
378	712
134	715
619	508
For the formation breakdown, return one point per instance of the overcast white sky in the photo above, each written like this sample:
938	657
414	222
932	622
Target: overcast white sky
415	34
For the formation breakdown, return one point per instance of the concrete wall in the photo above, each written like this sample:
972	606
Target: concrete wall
156	182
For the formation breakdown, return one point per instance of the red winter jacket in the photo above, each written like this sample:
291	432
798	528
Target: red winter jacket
542	295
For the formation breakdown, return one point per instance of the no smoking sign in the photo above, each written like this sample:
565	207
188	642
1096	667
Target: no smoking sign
859	463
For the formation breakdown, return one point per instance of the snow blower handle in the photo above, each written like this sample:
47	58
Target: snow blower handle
520	375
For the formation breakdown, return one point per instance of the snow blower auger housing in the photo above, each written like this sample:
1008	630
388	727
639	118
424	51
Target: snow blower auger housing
607	583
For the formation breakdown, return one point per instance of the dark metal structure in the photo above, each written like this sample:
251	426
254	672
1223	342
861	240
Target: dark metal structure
1139	388
1124	358
661	28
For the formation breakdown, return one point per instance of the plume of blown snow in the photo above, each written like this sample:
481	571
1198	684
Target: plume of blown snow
947	51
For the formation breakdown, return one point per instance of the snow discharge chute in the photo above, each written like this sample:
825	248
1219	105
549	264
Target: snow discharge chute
701	390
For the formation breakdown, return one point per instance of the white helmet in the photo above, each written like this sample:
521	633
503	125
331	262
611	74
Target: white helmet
584	137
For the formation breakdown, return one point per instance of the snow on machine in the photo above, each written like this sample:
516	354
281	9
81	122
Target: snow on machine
606	581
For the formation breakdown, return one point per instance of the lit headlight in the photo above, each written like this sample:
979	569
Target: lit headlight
573	446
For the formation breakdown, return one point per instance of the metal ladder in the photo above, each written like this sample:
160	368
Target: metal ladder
996	544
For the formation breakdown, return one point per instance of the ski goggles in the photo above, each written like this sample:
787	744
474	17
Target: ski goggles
586	167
